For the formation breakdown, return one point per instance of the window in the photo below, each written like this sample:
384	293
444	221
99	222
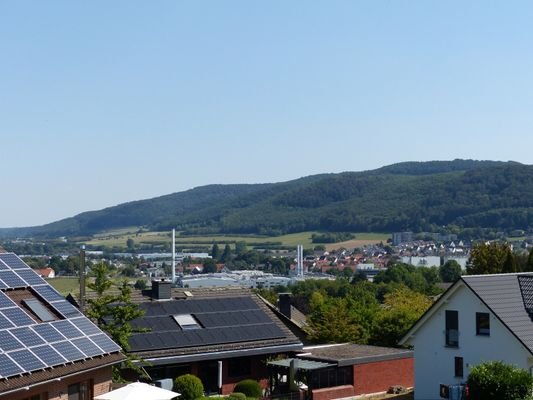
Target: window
459	367
452	328
482	324
81	391
239	367
186	321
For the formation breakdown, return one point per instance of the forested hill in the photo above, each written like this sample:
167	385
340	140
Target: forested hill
418	196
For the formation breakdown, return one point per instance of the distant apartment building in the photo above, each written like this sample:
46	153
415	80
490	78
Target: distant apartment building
401	237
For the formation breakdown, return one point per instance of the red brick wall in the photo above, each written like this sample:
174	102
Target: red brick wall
58	390
379	376
336	392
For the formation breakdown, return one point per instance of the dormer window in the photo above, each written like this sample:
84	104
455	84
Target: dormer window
186	321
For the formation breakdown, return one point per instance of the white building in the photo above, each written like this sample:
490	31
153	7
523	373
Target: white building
422	261
479	318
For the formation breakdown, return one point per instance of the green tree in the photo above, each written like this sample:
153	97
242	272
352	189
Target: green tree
530	261
113	311
189	386
495	380
130	244
140	284
240	248
450	271
400	310
210	266
509	265
351	312
215	251
487	258
226	255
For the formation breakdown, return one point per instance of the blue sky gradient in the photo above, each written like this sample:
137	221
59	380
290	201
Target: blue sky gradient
104	102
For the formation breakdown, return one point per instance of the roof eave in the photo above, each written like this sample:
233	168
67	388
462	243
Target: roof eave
432	310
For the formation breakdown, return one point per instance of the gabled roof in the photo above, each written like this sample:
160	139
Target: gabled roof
229	323
41	334
502	295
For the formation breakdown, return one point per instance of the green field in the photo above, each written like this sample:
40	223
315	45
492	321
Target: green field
119	238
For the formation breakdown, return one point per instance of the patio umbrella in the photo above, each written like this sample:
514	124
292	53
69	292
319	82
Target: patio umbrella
138	391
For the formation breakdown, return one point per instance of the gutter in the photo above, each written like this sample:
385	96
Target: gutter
217	355
59	379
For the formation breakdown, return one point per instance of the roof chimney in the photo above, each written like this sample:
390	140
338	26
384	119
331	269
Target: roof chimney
161	289
285	304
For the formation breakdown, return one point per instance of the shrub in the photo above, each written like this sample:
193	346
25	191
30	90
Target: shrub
237	396
249	387
495	381
189	386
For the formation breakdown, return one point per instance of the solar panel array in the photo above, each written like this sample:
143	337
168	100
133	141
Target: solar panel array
27	346
222	321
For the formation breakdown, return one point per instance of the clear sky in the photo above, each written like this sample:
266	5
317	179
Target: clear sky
103	102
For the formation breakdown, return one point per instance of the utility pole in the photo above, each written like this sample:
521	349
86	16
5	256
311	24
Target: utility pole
82	279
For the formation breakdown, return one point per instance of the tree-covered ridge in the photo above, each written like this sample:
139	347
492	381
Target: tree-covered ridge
408	196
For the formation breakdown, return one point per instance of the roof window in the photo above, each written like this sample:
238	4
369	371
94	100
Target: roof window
186	321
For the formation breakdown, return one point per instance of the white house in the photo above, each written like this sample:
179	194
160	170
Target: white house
479	318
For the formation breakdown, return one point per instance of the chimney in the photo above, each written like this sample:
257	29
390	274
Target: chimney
161	289
285	304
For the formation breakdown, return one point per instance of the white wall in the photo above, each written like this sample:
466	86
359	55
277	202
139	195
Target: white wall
434	362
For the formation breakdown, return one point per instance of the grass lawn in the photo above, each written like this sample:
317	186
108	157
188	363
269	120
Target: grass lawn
65	285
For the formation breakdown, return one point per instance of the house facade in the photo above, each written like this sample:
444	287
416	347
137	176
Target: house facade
479	318
221	335
48	349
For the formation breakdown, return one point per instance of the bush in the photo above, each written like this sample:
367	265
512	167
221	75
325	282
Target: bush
237	396
189	386
495	381
249	387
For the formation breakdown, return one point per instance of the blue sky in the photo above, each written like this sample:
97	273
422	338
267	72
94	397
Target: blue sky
103	102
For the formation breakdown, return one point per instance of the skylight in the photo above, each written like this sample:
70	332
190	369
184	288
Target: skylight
186	321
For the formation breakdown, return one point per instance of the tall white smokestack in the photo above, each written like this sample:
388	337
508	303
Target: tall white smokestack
173	256
300	260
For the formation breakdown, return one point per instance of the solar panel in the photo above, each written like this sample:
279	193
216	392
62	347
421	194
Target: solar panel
31	277
48	333
3	266
27	336
27	360
3	285
13	261
87	346
4	323
39	310
5	301
86	326
17	316
9	342
204	337
47	293
67	329
105	343
12	280
65	308
68	350
48	355
8	367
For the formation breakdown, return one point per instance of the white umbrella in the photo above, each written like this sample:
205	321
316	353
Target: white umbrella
138	391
